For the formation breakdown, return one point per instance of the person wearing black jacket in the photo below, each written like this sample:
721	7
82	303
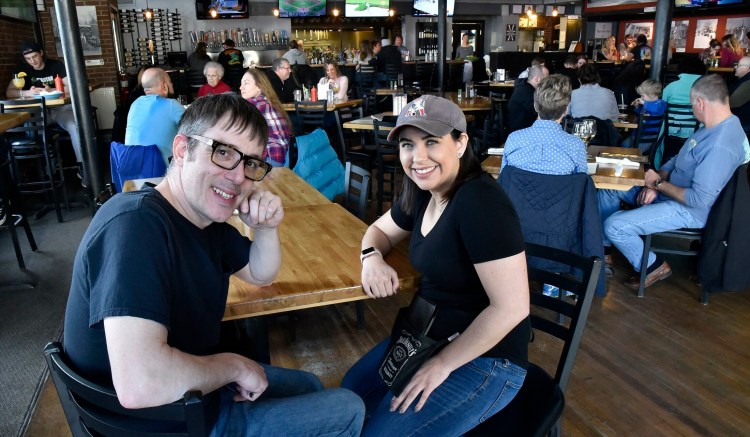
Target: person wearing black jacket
521	112
280	79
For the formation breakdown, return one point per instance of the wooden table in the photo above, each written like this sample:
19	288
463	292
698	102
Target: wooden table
289	107
479	103
320	247
605	173
9	120
62	100
631	122
367	124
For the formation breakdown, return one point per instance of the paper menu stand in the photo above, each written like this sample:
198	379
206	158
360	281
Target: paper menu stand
322	90
399	101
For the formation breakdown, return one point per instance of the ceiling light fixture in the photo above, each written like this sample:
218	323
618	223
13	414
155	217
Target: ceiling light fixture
554	11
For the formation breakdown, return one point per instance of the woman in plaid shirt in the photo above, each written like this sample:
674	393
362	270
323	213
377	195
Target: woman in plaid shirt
256	88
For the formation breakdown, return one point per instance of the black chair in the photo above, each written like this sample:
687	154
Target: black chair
195	80
648	134
37	164
691	235
356	189
492	132
424	76
388	164
681	117
233	77
93	410
455	78
309	116
392	71
11	205
352	143
537	408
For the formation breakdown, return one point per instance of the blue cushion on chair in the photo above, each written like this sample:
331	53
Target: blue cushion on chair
319	165
134	162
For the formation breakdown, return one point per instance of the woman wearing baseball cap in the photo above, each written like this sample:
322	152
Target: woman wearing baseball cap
467	244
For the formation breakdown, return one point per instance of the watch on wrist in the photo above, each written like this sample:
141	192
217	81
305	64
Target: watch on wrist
370	251
657	183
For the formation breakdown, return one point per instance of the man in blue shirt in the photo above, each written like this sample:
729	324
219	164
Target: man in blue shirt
681	193
153	118
545	147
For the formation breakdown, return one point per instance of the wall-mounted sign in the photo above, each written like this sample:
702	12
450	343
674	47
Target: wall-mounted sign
602	30
510	32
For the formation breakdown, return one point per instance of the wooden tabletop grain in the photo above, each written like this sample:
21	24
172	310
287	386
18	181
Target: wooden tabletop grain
9	120
629	122
320	265
32	101
605	173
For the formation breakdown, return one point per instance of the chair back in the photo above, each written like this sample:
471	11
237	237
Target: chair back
648	134
536	409
233	77
366	77
679	124
424	75
387	162
195	79
356	189
343	115
34	131
392	71
309	116
455	77
134	162
95	410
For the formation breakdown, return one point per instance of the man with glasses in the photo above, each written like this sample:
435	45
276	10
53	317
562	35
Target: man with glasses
153	118
151	278
739	96
281	81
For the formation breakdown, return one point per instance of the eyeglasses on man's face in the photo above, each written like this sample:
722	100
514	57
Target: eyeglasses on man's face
742	65
228	157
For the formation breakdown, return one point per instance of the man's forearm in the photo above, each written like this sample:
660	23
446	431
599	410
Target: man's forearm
672	191
265	255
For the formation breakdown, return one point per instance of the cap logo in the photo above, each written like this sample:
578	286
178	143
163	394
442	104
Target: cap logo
416	108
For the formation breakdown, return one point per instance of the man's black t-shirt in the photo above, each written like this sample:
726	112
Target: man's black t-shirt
284	90
478	225
45	76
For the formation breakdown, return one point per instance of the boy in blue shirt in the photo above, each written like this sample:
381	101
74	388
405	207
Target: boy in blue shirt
649	103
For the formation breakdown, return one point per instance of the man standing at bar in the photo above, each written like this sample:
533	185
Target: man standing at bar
739	96
681	193
521	111
40	76
151	278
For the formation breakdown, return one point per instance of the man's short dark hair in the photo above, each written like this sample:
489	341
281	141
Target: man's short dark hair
587	74
293	44
238	115
552	97
571	59
641	39
229	42
711	87
538	60
278	62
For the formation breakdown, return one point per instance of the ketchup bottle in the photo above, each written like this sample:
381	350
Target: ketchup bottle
59	84
314	94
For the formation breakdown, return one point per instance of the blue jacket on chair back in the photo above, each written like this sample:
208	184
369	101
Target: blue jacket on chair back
318	164
560	211
134	162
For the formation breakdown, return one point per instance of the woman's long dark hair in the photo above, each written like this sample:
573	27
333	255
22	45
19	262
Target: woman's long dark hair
469	167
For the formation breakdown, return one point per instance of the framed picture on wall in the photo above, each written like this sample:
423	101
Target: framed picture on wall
510	32
705	31
89	27
517	9
739	27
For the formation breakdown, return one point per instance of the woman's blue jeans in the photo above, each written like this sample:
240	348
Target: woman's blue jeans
294	403
470	395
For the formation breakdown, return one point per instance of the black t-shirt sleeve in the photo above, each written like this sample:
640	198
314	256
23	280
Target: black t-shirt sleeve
235	248
488	222
403	220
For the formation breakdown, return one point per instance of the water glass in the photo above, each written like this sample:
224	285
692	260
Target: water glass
297	95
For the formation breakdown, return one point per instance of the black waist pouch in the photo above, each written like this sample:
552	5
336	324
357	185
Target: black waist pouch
410	345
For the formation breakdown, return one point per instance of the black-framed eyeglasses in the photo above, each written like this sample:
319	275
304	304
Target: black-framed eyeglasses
228	157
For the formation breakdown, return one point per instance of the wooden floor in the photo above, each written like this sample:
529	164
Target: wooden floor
660	365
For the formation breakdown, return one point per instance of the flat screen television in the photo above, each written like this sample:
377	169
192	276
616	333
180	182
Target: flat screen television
224	9
704	3
429	8
367	8
302	8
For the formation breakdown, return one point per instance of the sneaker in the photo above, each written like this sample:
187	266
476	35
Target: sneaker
3	216
663	272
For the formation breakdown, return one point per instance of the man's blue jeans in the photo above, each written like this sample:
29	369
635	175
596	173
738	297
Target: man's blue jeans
470	395
624	228
295	403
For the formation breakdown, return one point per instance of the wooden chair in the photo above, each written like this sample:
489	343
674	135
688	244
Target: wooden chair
309	116
33	145
536	409
95	410
388	164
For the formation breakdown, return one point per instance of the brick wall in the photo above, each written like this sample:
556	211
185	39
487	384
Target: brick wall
14	32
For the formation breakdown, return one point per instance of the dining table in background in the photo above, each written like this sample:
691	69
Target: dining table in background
289	107
626	123
605	177
478	103
366	123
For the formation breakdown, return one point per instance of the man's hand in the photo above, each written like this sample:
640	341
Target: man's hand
261	210
647	196
378	278
651	176
36	90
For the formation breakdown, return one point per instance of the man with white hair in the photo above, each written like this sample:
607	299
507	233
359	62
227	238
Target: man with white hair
739	94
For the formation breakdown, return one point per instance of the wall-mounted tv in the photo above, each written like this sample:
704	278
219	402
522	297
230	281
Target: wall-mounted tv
592	6
367	8
704	3
302	8
224	9
429	8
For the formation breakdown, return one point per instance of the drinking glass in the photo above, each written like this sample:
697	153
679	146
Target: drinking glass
18	82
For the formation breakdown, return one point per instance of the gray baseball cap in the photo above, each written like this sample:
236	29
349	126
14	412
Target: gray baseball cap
435	115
